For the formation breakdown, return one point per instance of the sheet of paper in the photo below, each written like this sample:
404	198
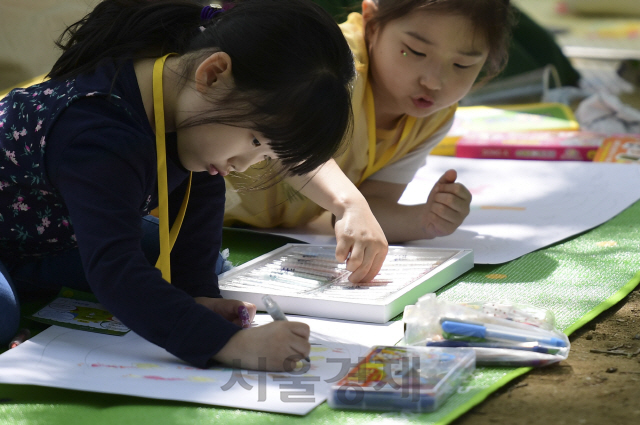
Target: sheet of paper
129	365
367	334
520	206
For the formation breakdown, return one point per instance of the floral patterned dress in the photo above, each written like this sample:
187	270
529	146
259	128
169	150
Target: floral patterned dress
33	218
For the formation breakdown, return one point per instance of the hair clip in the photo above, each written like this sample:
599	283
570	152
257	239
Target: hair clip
403	52
208	13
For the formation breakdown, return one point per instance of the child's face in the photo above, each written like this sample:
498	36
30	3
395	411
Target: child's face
424	62
220	149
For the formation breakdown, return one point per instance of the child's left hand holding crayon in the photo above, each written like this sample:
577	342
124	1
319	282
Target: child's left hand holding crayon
447	206
238	312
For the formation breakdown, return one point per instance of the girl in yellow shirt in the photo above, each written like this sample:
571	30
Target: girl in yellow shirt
415	59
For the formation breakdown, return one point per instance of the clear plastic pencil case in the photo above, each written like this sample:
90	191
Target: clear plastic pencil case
417	379
501	333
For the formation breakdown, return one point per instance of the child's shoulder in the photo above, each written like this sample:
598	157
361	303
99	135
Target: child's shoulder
353	31
353	27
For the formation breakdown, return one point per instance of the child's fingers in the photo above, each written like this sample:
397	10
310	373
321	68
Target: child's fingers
369	266
366	260
298	344
343	247
450	207
251	308
449	176
454	196
300	329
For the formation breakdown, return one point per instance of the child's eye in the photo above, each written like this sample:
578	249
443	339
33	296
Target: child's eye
256	142
457	65
416	53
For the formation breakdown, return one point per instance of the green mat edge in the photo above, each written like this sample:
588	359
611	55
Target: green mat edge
595	312
605	305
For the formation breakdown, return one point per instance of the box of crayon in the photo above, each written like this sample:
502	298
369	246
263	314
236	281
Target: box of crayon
411	378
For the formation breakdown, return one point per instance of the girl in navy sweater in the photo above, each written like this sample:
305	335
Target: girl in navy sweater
150	105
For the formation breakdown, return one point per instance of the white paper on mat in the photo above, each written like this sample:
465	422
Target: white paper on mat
520	206
129	365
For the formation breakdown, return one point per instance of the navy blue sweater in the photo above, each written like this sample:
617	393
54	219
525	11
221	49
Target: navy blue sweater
94	156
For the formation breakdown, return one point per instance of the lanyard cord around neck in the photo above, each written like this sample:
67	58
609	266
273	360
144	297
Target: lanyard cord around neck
372	165
167	239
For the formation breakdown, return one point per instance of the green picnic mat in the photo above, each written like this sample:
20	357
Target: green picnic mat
577	279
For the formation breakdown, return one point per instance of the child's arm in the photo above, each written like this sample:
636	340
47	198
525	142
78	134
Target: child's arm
357	231
446	208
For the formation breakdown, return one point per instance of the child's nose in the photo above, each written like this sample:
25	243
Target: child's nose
243	164
431	78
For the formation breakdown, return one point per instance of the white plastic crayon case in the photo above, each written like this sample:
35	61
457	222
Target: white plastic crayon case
306	279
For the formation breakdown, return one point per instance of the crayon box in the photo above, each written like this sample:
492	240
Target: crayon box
411	378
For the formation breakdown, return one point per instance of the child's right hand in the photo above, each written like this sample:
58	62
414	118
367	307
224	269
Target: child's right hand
281	343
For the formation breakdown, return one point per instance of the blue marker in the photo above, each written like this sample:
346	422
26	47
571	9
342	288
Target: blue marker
497	333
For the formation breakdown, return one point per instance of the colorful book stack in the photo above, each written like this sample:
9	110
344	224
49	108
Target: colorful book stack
620	148
541	145
509	118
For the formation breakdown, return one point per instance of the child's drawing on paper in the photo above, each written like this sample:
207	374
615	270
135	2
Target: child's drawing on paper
130	365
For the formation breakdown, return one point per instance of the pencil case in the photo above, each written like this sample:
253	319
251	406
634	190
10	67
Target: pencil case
500	333
416	379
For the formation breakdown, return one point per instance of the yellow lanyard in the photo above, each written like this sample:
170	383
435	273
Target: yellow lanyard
372	165
167	239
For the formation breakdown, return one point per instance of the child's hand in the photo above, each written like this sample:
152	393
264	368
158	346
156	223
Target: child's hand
447	206
277	346
228	308
358	233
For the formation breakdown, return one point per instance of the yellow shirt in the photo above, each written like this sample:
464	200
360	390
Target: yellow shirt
276	207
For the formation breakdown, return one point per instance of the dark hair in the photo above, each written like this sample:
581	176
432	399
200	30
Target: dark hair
493	18
291	65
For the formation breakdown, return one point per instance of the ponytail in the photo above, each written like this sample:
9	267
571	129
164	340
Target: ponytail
126	29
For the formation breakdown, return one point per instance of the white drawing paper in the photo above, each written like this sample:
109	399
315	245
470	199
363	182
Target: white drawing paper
129	365
519	206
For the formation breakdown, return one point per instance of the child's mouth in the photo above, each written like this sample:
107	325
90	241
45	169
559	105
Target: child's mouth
213	171
422	103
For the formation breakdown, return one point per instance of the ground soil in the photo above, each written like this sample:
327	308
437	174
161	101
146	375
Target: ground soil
599	383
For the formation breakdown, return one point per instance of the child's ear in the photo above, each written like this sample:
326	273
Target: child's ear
369	10
215	70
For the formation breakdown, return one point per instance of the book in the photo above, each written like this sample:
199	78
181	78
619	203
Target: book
306	279
624	148
541	145
417	379
79	310
507	118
